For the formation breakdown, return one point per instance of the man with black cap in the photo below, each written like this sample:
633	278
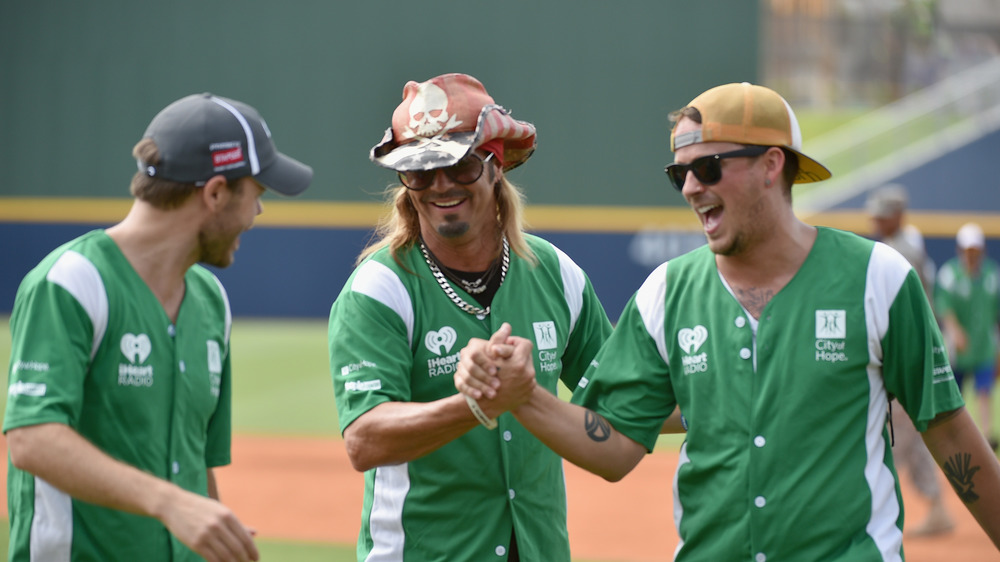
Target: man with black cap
119	402
781	343
444	478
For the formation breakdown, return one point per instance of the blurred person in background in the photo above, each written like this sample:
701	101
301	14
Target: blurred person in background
444	478
967	297
781	343
118	408
886	207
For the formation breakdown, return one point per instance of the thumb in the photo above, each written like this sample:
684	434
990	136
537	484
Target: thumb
499	339
500	336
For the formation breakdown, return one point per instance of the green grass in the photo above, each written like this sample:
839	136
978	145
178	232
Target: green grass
281	378
305	552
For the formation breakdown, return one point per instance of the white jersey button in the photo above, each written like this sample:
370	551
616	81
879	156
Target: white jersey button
171	331
759	501
740	321
501	550
507	436
761	557
759	441
181	366
511	493
745	353
176	467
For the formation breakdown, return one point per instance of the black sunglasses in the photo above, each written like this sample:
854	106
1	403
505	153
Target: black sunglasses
707	169
465	171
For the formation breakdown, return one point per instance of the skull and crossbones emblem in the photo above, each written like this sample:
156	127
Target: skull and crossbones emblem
429	113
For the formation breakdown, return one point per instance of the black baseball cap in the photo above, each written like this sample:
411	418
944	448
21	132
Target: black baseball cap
203	135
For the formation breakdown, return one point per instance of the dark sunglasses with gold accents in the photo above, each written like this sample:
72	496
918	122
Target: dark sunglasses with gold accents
708	169
465	171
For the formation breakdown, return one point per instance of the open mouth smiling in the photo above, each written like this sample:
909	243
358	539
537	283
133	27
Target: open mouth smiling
710	216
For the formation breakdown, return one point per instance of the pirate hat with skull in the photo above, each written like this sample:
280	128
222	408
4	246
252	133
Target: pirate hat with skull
443	119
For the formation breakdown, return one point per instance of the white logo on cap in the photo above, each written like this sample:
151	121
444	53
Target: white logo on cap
429	113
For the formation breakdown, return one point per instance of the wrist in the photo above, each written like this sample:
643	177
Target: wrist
162	496
480	415
531	401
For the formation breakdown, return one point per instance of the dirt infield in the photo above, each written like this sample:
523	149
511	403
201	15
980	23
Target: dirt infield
305	489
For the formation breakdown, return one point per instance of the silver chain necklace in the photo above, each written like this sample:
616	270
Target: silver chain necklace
479	313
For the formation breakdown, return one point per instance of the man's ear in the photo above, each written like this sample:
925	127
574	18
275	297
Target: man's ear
216	193
775	161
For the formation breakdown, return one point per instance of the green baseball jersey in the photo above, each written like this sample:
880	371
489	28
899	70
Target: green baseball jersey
787	454
93	349
395	336
975	302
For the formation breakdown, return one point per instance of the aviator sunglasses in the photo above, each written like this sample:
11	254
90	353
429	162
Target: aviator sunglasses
708	169
465	171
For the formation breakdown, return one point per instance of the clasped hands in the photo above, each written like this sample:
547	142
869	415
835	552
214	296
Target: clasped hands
499	373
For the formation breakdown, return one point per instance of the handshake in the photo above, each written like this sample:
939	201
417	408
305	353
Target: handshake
496	375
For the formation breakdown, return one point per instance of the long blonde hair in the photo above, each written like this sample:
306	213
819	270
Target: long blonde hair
400	227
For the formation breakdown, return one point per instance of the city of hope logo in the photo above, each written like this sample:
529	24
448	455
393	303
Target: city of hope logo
831	324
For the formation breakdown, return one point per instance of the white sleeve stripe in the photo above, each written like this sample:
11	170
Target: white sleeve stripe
81	279
650	299
382	284
385	520
229	311
51	524
574	283
887	270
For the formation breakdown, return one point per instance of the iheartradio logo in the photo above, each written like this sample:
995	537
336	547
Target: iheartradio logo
227	157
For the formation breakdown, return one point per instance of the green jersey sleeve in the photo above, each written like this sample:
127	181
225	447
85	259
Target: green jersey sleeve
369	342
629	382
52	343
915	364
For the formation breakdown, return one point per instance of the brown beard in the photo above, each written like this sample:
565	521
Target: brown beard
215	240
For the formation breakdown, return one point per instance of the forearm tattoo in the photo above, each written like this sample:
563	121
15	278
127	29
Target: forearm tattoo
960	474
597	427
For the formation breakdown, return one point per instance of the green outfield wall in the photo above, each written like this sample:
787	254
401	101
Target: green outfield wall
79	81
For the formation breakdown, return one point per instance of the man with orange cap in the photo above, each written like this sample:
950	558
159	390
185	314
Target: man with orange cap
781	343
444	478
